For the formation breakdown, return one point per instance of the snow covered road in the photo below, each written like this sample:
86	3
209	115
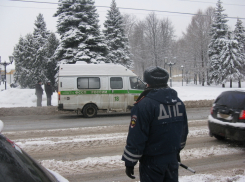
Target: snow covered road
94	153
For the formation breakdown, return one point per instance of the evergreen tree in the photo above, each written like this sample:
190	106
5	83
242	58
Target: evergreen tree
51	65
116	40
40	36
23	54
239	36
81	39
40	33
232	61
219	30
33	56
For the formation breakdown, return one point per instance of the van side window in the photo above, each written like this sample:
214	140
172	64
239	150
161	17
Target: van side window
116	83
88	82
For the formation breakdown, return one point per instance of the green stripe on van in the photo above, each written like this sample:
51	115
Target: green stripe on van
135	91
83	92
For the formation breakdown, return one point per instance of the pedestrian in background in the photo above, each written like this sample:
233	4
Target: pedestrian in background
157	132
39	93
49	92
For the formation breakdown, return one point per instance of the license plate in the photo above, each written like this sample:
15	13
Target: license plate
224	116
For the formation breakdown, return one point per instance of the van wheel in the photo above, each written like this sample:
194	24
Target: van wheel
90	111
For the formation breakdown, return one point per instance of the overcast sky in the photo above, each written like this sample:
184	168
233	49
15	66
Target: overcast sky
17	17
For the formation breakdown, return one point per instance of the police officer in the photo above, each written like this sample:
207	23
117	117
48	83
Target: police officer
157	132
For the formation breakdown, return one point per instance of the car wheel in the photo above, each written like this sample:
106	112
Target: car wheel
90	111
219	137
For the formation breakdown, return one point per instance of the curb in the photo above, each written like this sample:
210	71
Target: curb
53	110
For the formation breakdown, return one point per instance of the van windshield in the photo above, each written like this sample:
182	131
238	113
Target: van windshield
136	83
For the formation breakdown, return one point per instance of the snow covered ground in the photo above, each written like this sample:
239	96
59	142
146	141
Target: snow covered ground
107	162
16	97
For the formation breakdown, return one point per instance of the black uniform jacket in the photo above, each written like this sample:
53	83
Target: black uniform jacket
158	126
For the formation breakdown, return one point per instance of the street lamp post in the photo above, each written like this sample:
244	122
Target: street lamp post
5	64
182	73
170	66
165	58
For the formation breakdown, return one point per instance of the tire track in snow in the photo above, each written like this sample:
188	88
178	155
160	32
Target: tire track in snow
71	143
107	163
83	130
83	141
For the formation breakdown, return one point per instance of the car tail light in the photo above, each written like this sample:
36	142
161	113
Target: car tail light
242	114
59	95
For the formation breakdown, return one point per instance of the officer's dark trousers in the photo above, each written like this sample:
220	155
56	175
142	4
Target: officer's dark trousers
162	168
39	100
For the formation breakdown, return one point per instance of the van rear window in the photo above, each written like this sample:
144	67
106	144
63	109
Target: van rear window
88	83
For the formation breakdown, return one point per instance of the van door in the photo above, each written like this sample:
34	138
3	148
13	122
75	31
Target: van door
67	87
118	99
93	90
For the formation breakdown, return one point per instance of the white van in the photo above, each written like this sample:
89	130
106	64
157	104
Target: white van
87	88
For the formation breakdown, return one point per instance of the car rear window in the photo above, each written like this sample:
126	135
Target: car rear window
231	99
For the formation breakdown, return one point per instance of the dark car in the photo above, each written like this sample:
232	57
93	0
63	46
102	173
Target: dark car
17	166
227	119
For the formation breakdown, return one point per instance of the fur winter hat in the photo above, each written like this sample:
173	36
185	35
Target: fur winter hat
156	76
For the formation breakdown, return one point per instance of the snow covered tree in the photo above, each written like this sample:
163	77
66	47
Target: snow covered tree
33	56
232	61
40	33
116	40
40	36
78	27
24	53
51	67
239	36
219	30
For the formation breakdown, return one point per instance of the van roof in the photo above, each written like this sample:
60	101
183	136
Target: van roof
94	69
